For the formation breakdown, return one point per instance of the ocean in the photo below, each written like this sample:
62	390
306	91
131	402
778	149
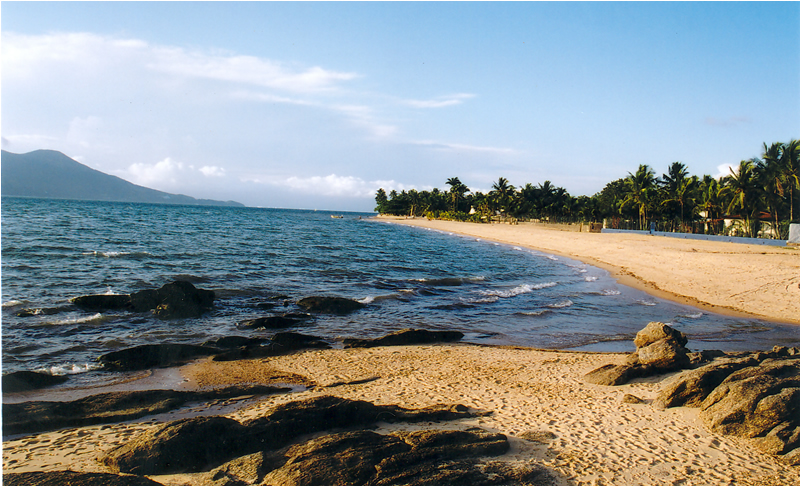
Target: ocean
53	250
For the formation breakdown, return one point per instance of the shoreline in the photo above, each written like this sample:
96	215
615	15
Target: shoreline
769	287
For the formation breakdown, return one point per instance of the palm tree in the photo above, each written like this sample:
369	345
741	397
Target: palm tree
790	168
457	191
683	194
503	193
638	188
711	200
742	187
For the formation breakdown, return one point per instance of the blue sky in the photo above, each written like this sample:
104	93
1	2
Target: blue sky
316	105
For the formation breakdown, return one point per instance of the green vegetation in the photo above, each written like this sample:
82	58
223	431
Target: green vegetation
758	198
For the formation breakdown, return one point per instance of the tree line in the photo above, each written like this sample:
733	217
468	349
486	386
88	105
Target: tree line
759	197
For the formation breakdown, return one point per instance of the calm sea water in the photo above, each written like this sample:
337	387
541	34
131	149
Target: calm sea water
54	250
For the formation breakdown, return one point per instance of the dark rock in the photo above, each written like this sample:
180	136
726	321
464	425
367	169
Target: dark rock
42	311
19	381
691	387
656	331
153	356
112	407
427	457
233	342
281	343
102	302
271	322
330	305
179	299
211	443
183	446
406	337
72	478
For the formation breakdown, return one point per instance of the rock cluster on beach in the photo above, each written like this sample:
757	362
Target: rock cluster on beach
752	395
659	349
755	396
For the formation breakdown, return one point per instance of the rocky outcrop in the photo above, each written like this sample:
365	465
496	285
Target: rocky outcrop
659	349
202	443
432	457
19	381
280	343
112	407
276	322
406	337
66	478
755	396
179	299
330	305
692	387
149	356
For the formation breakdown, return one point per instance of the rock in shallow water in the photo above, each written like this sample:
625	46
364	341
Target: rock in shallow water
19	381
149	356
406	337
330	305
179	299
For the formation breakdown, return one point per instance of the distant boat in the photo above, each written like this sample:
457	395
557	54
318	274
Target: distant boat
336	216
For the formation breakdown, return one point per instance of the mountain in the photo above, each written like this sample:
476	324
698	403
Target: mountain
53	175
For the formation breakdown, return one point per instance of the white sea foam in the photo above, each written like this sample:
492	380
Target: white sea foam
535	313
367	300
12	303
489	299
561	305
590	279
551	257
608	292
93	319
693	316
518	290
647	302
69	368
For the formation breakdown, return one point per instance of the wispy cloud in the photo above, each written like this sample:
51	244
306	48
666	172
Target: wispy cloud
440	102
726	122
246	70
21	53
456	147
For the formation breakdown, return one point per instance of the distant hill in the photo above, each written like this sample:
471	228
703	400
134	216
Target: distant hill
51	174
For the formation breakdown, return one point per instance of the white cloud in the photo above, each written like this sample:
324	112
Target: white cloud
22	54
245	69
440	102
339	186
212	171
160	174
464	147
724	170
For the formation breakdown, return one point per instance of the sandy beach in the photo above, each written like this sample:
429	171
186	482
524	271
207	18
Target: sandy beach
730	278
583	434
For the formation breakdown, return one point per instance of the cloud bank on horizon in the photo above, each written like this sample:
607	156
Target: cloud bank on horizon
319	105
